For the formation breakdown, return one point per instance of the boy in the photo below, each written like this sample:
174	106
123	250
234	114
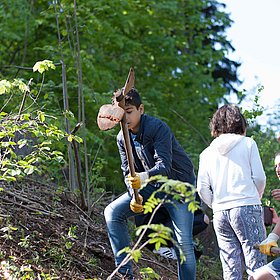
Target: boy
155	151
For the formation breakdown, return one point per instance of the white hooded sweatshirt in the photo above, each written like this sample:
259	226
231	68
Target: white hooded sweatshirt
231	173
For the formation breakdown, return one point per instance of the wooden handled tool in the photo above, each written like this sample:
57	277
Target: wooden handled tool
111	114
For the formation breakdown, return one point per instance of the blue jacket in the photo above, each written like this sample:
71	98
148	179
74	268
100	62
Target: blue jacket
163	153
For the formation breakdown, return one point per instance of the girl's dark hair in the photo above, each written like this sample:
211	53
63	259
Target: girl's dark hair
227	119
133	98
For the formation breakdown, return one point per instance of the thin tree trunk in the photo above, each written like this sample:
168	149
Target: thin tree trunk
78	168
81	101
72	180
71	177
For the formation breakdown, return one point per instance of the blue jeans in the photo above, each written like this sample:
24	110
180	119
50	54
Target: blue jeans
274	268
116	214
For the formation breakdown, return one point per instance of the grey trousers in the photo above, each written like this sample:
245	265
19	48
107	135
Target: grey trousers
238	230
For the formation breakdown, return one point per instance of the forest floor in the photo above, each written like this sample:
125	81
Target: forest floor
45	235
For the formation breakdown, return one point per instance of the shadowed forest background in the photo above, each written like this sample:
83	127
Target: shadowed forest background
60	61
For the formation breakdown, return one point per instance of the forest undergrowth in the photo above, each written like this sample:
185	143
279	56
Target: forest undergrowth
45	235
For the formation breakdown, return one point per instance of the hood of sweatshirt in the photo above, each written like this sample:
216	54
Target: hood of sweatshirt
226	142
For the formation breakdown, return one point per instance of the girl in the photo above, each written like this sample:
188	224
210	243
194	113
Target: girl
231	181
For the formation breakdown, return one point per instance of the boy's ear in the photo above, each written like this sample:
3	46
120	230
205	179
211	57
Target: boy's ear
141	109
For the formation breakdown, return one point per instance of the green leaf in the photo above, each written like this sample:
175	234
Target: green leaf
25	117
41	116
150	273
2	134
14	172
5	87
78	139
21	143
70	138
22	86
29	170
124	250
136	255
42	66
13	228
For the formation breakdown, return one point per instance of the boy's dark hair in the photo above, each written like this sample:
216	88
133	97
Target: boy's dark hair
133	98
227	119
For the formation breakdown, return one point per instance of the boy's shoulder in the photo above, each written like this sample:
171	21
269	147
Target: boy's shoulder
150	125
148	120
153	125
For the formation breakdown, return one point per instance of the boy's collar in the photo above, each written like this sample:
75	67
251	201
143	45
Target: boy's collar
140	131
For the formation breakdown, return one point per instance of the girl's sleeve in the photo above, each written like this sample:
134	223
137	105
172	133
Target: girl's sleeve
258	174
203	182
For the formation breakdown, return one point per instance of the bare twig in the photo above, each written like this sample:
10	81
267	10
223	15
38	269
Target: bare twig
159	264
81	210
19	197
24	98
23	197
196	130
42	211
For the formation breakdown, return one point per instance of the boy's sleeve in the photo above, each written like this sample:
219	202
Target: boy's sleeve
162	140
203	182
258	174
123	158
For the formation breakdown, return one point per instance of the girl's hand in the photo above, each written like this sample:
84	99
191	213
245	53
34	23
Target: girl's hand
276	194
275	217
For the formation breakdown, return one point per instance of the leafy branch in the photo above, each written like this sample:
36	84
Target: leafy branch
26	139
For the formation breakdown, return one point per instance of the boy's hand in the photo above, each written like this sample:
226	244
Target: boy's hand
135	181
139	179
134	206
268	243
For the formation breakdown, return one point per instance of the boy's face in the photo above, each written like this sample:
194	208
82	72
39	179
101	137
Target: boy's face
133	116
277	166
